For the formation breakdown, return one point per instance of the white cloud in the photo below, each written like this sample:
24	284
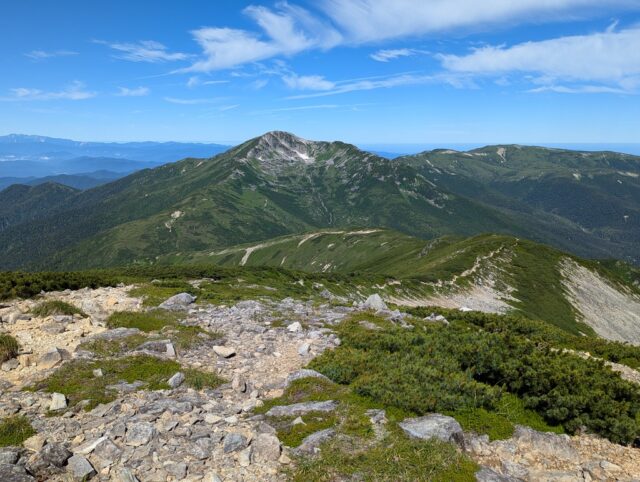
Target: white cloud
175	100
307	82
144	51
286	31
583	89
611	58
75	91
195	81
373	20
390	54
136	92
43	54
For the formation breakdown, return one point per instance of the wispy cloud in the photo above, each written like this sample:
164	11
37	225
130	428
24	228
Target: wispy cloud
43	54
307	82
609	58
75	91
195	81
225	108
363	21
175	100
135	92
583	89
287	30
144	51
389	54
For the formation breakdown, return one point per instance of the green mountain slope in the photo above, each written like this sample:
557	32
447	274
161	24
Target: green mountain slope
272	185
596	192
488	272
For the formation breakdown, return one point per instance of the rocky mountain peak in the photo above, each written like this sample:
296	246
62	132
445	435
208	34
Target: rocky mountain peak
277	149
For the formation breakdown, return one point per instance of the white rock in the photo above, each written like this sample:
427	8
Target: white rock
375	303
58	402
295	327
304	349
224	351
176	380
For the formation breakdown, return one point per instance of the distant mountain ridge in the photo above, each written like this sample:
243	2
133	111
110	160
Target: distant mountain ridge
279	184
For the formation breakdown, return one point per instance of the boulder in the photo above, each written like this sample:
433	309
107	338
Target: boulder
176	380
302	408
58	402
80	468
14	473
9	455
375	303
435	426
294	327
10	365
139	433
233	442
34	443
312	442
178	302
485	474
266	448
304	349
55	454
50	359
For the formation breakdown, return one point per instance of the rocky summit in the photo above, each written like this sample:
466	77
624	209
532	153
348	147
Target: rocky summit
258	421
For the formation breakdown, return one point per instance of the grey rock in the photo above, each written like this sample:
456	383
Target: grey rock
224	351
80	468
125	475
9	455
375	303
312	442
485	474
10	365
436	426
304	373
107	453
178	302
124	387
294	327
211	477
53	328
239	385
177	469
302	408
58	402
233	442
139	433
55	454
116	334
549	444
50	359
14	473
304	349
266	448
89	446
176	380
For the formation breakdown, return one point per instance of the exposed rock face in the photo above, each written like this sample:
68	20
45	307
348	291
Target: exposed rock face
375	303
302	408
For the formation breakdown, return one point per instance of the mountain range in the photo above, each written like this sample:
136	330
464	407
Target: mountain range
279	184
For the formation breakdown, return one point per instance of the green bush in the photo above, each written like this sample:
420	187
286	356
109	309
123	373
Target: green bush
56	307
8	347
458	368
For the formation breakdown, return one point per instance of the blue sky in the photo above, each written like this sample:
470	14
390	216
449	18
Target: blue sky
437	72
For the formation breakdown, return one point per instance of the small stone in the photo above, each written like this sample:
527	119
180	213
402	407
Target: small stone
302	408
303	373
176	380
295	327
224	351
298	421
89	446
233	442
312	442
80	468
244	457
58	402
436	426
178	302
14	473
9	455
125	475
211	477
170	350
212	418
98	373
239	385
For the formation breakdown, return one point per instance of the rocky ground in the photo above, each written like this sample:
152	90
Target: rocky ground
213	434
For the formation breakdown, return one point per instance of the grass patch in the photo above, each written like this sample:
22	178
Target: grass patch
293	435
77	382
9	347
396	458
111	348
146	321
56	307
158	291
15	430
